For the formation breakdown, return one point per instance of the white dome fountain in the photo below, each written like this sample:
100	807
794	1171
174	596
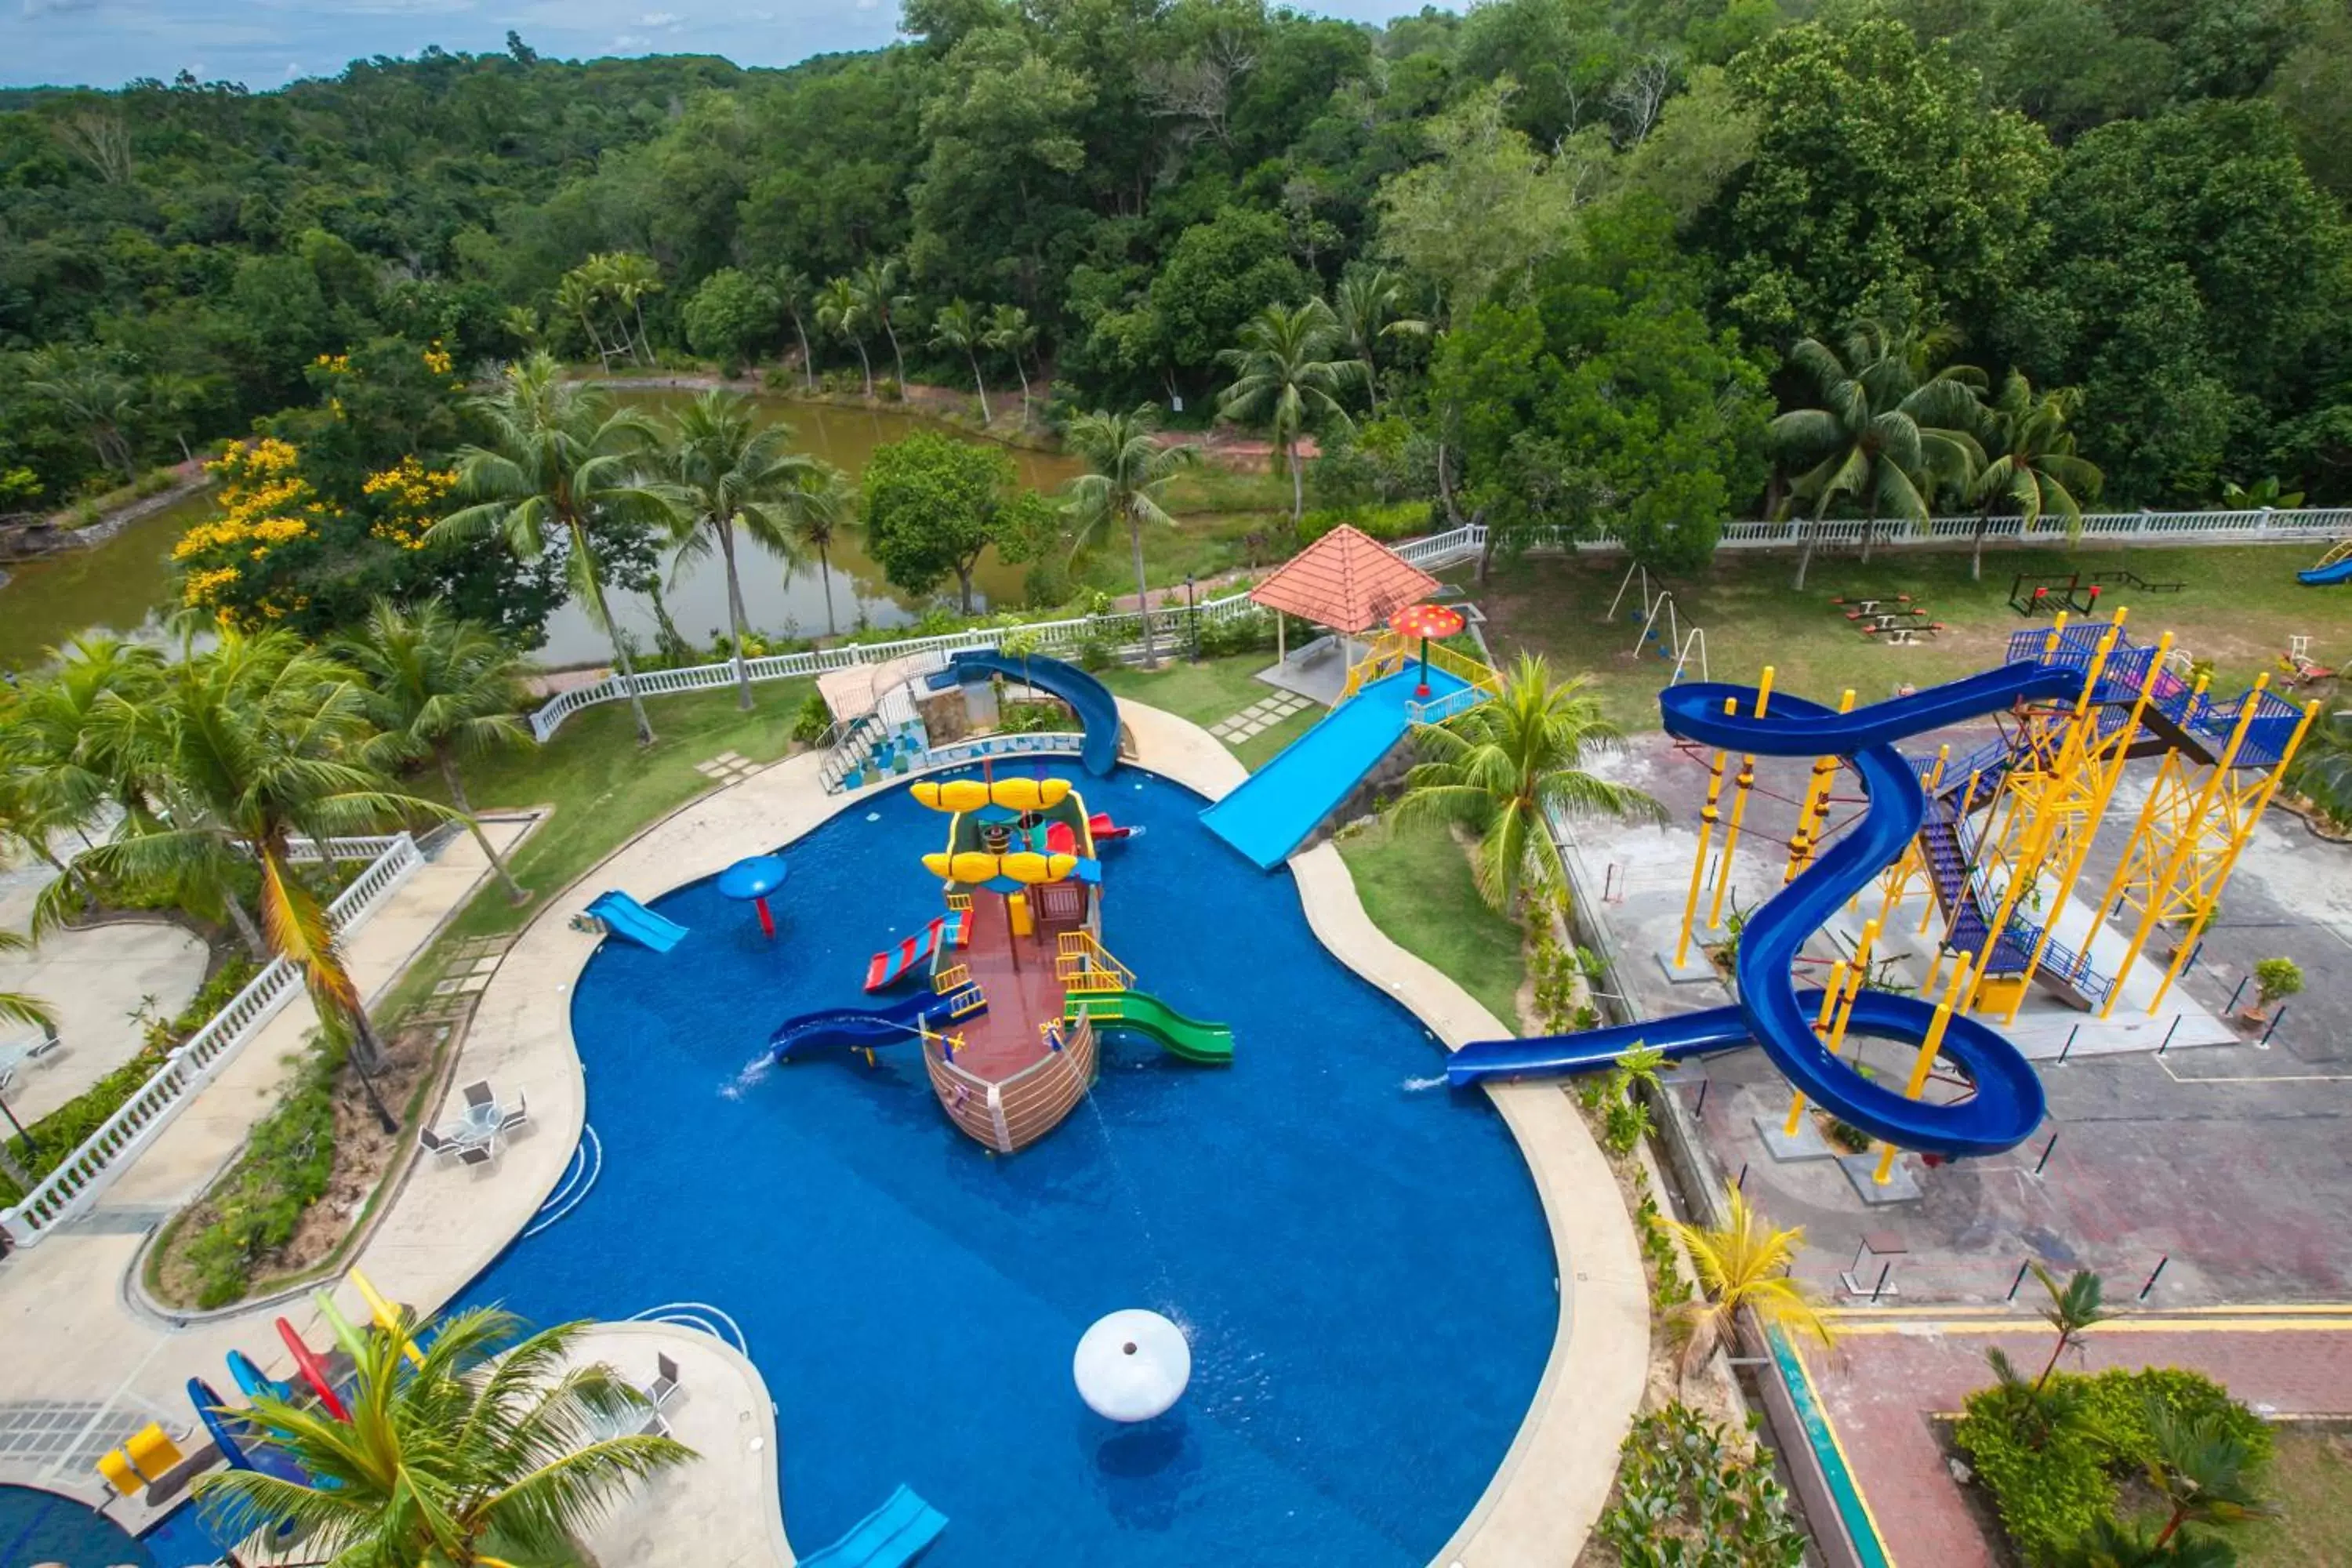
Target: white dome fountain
1132	1366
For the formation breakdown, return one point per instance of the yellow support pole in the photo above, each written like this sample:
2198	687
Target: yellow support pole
2104	792
2262	801
1925	1062
2186	844
1856	976
2142	824
1820	1028
1707	820
1816	807
1745	782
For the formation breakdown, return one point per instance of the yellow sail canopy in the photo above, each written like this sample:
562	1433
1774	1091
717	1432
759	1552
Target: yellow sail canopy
969	794
1025	867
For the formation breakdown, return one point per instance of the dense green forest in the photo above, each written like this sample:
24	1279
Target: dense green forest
1645	265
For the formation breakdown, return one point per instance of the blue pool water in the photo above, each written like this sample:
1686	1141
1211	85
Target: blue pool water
1357	1257
36	1526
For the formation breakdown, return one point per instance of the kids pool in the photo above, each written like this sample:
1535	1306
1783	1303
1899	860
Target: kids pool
1357	1257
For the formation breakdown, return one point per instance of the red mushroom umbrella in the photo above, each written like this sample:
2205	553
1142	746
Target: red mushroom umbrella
1426	621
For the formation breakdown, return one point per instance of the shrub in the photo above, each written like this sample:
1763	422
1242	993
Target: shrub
1245	632
1402	521
2051	1494
1032	718
1686	1498
288	1163
2275	979
812	719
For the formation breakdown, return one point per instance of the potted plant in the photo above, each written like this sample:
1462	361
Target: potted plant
2275	980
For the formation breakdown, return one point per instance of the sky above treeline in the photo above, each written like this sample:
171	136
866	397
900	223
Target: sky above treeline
268	42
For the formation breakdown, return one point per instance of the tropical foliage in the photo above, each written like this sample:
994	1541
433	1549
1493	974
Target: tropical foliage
495	1446
1744	1266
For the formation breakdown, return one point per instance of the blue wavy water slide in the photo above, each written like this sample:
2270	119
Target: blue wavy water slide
1089	698
626	918
2007	1103
2321	576
864	1029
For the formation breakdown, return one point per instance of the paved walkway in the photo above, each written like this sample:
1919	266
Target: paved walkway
1893	1374
94	981
70	1332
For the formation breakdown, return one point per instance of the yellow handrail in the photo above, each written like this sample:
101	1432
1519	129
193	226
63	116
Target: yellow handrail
1081	964
1390	653
945	980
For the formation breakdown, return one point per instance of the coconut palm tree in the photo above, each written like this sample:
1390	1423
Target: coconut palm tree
2074	1309
958	330
1365	306
83	381
16	1006
2031	464
1502	767
2203	1470
818	515
558	463
576	295
1011	335
1887	433
841	311
255	744
793	292
734	472
1127	470
493	1449
69	735
1283	373
435	686
628	278
1743	1265
876	283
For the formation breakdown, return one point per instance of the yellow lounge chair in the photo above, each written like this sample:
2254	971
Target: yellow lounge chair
119	1473
153	1453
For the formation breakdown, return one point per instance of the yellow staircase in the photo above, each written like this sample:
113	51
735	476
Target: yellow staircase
1082	965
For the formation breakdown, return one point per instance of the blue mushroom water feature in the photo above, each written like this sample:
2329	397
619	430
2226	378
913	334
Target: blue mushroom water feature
755	878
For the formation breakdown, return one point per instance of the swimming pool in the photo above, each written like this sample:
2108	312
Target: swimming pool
37	1526
1358	1257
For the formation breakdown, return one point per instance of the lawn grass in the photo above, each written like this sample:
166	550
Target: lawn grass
605	787
2310	1479
1415	884
1201	545
1206	692
2239	606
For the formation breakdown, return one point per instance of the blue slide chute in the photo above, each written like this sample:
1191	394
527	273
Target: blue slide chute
871	1028
1089	698
2007	1103
2323	576
626	918
889	1537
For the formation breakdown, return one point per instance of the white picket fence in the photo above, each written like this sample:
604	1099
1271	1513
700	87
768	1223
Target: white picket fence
1436	550
70	1189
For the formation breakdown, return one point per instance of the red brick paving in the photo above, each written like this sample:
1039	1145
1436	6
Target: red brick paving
1880	1390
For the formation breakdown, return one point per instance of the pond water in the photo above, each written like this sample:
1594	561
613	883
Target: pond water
124	586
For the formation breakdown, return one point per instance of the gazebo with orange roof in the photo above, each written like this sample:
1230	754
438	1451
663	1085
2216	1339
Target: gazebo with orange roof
1347	580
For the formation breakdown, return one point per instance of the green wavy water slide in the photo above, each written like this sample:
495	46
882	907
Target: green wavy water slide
1187	1039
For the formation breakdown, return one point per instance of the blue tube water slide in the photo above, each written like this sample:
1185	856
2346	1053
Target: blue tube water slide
251	1379
627	919
865	1028
2322	576
240	1452
2007	1103
1089	698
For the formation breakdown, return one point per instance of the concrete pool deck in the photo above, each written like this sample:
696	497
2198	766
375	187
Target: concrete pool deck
444	1225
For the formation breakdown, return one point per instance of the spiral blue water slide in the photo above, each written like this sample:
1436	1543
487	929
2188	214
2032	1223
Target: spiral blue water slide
2008	1102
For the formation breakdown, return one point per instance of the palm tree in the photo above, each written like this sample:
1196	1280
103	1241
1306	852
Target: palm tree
818	514
490	1444
576	294
1365	306
2074	1311
2036	1411
2322	769
734	472
84	382
1502	767
1886	432
1743	1265
793	292
2033	463
1284	375
70	734
17	1007
629	278
2203	1470
876	284
839	310
958	330
440	687
2111	1544
1127	470
257	743
1010	333
559	462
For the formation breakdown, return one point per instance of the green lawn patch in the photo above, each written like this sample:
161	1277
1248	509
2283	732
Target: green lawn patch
1415	884
2310	1479
605	787
1260	748
2239	606
1206	692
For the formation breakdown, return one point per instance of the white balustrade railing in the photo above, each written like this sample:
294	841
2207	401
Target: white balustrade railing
70	1190
1434	551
